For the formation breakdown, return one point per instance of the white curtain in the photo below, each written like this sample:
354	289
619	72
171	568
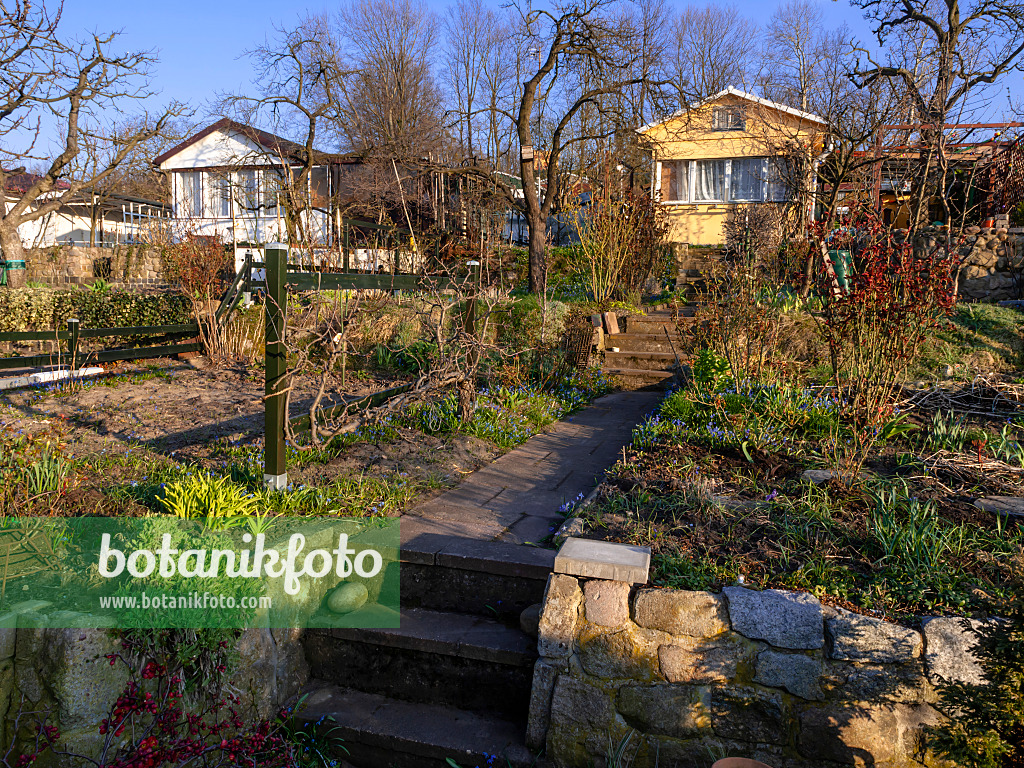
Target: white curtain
247	196
190	194
709	184
747	177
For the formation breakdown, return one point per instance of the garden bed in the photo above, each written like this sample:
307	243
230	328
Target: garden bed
721	505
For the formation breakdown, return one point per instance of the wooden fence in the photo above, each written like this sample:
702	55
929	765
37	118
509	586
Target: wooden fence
72	355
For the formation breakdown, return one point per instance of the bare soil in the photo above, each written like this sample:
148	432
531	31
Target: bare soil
171	410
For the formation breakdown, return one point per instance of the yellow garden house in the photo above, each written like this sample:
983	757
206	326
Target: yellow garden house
729	150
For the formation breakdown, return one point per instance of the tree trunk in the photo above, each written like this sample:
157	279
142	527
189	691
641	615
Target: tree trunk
538	250
13	250
467	401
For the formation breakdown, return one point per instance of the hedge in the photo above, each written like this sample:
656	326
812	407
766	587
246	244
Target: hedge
43	309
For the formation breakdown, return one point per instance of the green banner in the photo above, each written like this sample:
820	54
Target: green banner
163	572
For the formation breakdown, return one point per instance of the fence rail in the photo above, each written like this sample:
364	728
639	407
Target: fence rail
73	356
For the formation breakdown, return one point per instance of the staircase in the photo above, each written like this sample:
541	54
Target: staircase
454	681
645	355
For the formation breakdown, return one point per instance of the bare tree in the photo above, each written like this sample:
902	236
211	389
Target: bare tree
712	47
940	54
795	56
588	59
49	81
390	105
298	92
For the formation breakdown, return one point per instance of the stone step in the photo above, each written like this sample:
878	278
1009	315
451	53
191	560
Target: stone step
639	342
441	570
654	361
435	656
381	732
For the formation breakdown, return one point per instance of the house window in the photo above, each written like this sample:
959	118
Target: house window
190	194
746	179
675	178
220	196
319	186
709	180
727	119
739	180
272	185
246	192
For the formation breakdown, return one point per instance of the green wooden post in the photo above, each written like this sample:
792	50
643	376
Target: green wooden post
73	342
474	282
275	473
345	261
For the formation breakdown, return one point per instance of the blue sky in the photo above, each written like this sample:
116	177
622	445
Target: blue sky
200	41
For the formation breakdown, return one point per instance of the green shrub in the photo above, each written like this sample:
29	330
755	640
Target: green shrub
520	321
216	500
986	725
35	309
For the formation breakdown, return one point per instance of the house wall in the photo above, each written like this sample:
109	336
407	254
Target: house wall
768	132
218	155
684	678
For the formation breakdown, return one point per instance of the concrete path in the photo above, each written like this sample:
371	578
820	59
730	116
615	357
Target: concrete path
516	499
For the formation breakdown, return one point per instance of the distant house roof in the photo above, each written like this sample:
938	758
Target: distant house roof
21	182
271	142
730	91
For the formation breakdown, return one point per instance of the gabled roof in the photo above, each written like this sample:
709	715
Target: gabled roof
730	91
21	182
278	145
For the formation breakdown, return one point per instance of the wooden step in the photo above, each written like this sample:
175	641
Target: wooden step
383	732
642	342
640	360
435	656
446	572
644	373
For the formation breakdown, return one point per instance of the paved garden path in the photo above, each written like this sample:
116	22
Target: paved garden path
516	499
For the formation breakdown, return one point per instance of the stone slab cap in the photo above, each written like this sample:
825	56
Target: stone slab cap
604	560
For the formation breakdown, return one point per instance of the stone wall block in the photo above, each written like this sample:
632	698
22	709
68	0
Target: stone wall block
783	619
864	735
560	616
606	603
629	653
749	714
854	637
704	660
583	724
544	675
696	614
948	652
795	672
681	711
904	683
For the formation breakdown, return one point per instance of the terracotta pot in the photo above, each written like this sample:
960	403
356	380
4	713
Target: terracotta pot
739	762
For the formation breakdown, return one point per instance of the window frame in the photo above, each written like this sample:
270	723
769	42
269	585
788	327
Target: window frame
690	178
191	190
763	197
736	111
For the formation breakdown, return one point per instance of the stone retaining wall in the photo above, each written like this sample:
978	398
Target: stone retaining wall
65	672
690	677
991	266
123	265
